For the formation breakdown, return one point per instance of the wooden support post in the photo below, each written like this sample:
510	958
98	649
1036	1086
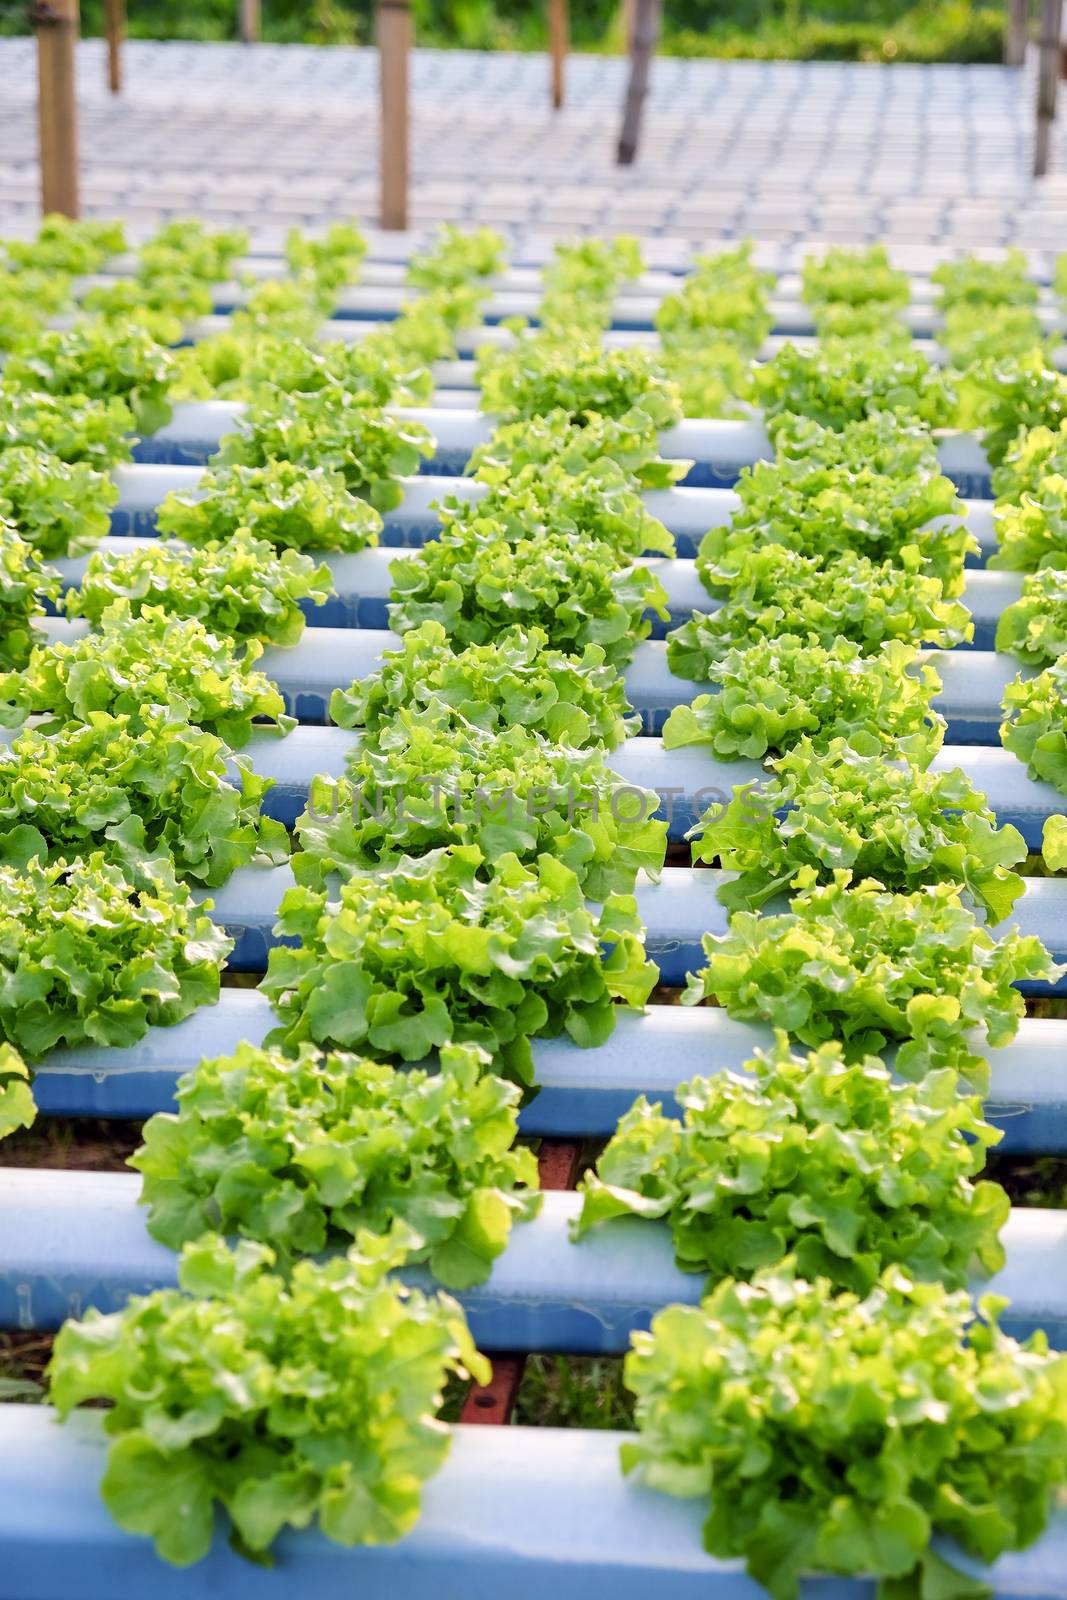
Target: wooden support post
645	33
491	1404
248	21
394	49
558	29
115	33
626	25
56	25
1015	32
1048	71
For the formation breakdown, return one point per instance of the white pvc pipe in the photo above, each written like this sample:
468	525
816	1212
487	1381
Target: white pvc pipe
581	1091
691	512
366	574
711	441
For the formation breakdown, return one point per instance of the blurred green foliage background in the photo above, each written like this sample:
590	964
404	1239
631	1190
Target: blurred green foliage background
837	30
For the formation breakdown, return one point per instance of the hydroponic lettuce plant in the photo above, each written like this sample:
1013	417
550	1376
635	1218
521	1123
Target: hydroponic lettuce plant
23	585
779	591
432	779
62	509
1034	627
1034	455
836	1434
99	362
631	441
512	681
853	962
729	270
431	952
286	308
712	380
855	278
1035	725
337	430
476	581
826	510
371	371
186	246
601	503
134	663
241	587
426	329
547	372
254	364
894	446
25	306
1033	533
842	381
162	308
839	808
974	281
773	693
811	1156
986	333
63	245
96	953
130	786
581	281
724	297
871	320
17	1107
306	1151
1003	397
36	291
331	260
67	427
291	507
284	1399
458	257
696	313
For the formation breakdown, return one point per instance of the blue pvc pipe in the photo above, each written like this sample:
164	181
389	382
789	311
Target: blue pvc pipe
583	1092
81	1240
516	1512
677	911
689	779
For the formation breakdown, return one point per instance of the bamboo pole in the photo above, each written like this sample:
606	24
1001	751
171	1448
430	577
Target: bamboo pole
1048	71
558	31
249	24
115	33
56	26
1015	33
645	33
394	50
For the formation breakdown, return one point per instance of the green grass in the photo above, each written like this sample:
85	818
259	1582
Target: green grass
573	1392
1031	1180
23	1358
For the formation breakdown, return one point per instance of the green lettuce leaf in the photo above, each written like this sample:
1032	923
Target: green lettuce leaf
815	1157
836	1434
96	953
429	952
303	1153
282	1399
